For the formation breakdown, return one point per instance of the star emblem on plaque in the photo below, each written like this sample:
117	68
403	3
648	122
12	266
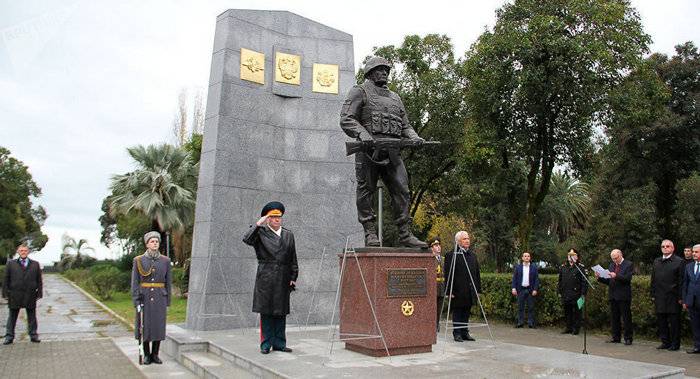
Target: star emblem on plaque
407	308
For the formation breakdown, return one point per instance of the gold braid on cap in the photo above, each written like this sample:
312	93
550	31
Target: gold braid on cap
140	267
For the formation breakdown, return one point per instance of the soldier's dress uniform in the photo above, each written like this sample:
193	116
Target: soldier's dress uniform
277	267
151	283
440	282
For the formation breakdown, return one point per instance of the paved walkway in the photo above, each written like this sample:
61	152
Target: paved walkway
79	340
640	350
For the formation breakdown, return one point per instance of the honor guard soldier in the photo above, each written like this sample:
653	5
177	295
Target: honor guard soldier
439	276
151	281
276	276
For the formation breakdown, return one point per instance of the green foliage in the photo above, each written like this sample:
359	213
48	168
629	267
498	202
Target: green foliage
500	304
181	280
75	275
539	82
20	220
162	189
104	280
687	215
425	75
78	261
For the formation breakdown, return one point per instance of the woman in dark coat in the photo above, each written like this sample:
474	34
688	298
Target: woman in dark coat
276	275
151	283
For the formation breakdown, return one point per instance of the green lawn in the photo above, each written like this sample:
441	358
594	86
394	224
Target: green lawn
121	304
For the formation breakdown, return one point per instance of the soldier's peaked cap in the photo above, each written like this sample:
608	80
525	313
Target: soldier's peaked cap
273	208
375	62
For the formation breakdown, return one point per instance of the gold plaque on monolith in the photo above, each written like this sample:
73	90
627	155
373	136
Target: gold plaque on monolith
287	68
252	66
325	78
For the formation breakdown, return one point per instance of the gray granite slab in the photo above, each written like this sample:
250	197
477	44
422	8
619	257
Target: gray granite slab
259	146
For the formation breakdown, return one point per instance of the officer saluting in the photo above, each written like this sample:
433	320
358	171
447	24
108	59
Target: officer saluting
151	281
276	275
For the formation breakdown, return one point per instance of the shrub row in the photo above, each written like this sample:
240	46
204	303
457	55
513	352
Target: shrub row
500	304
104	278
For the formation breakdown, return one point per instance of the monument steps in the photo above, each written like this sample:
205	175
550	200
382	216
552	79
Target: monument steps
207	359
208	365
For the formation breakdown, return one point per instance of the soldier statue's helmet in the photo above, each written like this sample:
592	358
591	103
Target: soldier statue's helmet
273	208
375	62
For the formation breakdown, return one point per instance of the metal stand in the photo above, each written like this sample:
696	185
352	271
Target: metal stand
201	312
352	336
448	298
380	214
585	314
312	307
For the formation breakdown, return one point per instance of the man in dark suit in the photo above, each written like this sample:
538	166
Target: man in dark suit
691	297
619	295
666	285
525	284
463	282
22	285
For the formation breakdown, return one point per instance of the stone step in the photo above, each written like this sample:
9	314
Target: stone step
208	365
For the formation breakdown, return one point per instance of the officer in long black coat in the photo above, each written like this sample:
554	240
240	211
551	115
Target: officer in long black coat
571	285
151	283
462	285
666	287
22	286
276	276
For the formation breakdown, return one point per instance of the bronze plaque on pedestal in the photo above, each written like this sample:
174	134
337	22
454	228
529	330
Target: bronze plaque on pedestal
407	282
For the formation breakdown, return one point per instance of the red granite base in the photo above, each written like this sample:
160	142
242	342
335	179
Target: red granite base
392	352
404	334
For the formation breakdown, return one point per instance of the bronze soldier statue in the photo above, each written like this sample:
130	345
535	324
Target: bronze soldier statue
375	115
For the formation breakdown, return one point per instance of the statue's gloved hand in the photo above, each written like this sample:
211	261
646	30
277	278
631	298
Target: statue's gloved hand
417	141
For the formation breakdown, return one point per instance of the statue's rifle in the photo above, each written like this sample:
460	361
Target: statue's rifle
384	144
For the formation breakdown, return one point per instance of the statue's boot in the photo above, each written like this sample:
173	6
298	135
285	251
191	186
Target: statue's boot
371	238
407	239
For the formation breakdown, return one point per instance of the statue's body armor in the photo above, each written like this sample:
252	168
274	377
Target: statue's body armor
382	113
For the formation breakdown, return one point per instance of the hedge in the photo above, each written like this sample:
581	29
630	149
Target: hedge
500	304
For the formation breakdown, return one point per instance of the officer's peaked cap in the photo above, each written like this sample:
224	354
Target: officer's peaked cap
273	208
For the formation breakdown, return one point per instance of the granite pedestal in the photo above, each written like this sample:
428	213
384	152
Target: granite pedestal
401	286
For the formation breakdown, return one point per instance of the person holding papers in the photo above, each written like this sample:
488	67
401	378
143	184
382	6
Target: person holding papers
619	295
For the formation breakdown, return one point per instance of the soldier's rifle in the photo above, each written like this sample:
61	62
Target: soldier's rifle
139	310
379	144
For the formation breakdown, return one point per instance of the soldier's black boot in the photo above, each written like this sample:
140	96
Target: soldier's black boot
371	238
147	353
407	239
154	353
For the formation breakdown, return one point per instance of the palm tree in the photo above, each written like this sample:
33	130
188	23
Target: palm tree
567	205
162	188
73	252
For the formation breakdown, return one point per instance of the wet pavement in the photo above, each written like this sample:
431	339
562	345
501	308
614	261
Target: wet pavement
79	340
65	314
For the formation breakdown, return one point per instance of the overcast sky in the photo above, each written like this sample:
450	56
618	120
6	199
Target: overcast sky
82	80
